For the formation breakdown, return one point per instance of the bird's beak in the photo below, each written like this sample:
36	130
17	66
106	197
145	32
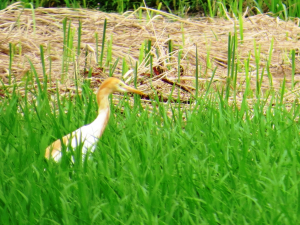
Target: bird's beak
130	89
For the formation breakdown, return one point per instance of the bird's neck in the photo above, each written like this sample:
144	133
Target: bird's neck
102	99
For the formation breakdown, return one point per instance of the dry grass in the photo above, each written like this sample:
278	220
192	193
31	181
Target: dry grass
129	32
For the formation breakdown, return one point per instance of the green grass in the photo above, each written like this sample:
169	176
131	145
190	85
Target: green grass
220	166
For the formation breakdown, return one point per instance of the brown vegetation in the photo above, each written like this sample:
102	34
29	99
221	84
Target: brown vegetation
128	32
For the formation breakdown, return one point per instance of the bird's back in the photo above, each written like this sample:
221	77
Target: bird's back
85	137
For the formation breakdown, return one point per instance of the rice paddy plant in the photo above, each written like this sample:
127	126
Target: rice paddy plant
97	47
213	168
125	67
208	62
68	54
121	6
197	74
293	68
248	78
269	63
147	51
282	89
216	165
209	3
11	56
240	13
3	4
142	53
45	80
79	38
33	18
234	7
151	66
109	51
140	14
183	7
210	81
221	9
257	60
232	65
103	43
170	52
179	64
113	67
285	13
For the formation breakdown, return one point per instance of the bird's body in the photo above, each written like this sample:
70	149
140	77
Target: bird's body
87	136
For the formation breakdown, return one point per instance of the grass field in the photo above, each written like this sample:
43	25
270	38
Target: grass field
222	159
220	166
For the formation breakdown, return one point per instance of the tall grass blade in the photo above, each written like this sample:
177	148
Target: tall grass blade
33	18
79	38
232	65
293	68
282	90
142	53
103	43
43	60
43	68
125	67
109	50
197	74
97	47
10	63
40	91
113	68
210	81
269	63
241	28
65	49
179	64
151	66
257	60
210	8
248	78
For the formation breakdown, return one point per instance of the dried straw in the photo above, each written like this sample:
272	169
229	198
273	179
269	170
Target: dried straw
129	32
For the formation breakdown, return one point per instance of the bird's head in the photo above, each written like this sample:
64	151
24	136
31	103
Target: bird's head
112	84
109	86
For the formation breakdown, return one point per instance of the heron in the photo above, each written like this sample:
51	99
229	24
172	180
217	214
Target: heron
87	136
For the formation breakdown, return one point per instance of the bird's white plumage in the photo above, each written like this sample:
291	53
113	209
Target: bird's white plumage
86	136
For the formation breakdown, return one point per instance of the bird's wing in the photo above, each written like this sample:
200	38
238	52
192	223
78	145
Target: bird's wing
86	136
54	150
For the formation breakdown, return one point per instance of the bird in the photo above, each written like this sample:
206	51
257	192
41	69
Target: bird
87	136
